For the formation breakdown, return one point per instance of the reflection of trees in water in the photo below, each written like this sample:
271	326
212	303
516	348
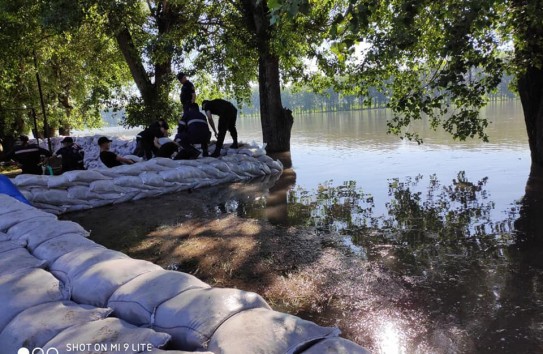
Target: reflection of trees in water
425	225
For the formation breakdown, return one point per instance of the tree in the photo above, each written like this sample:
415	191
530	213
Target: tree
440	59
78	65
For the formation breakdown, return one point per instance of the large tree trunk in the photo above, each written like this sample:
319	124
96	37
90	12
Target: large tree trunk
276	121
530	87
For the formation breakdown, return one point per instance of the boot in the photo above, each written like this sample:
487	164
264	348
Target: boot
217	151
234	145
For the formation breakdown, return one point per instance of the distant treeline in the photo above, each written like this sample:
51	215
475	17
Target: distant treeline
305	101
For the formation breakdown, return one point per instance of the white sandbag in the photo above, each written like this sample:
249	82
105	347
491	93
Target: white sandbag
212	172
95	203
335	346
7	245
110	335
37	325
107	186
95	285
162	161
84	176
23	289
193	316
124	197
54	248
26	180
18	259
183	174
127	170
154	179
108	172
137	300
9	204
54	197
71	264
267	331
79	192
129	182
9	220
49	208
34	233
58	182
221	166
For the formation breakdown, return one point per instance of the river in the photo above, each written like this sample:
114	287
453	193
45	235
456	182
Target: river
443	241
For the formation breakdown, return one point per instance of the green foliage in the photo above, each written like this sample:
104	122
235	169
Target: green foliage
79	66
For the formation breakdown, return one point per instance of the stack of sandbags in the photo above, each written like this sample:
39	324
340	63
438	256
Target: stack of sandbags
79	190
165	305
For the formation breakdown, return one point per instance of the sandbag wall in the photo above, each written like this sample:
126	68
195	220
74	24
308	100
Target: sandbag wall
79	190
58	288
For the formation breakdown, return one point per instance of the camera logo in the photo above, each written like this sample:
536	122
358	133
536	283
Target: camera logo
24	350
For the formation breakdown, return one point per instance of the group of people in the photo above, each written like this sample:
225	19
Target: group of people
33	159
193	128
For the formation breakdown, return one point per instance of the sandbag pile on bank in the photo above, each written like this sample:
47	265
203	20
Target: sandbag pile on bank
78	284
78	190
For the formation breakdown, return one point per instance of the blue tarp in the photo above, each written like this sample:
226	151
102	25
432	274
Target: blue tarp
7	187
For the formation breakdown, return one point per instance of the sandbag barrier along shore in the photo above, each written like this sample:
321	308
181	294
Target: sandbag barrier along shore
64	293
95	187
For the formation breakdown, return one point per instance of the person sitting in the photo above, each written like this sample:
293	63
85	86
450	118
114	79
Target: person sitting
146	141
72	155
108	158
29	156
227	121
193	129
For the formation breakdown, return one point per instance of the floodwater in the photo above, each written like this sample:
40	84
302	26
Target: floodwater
443	240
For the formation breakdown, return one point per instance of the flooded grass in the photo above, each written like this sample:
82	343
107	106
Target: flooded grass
438	273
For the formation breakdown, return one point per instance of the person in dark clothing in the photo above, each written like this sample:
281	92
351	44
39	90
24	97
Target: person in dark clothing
227	121
72	155
29	156
108	158
188	92
146	141
168	149
193	129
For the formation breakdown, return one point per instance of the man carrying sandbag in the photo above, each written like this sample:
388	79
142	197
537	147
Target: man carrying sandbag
227	121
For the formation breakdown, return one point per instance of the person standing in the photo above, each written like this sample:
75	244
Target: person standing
188	92
227	121
72	155
29	156
108	158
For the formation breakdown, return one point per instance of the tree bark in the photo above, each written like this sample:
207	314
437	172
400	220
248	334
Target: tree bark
530	88
276	121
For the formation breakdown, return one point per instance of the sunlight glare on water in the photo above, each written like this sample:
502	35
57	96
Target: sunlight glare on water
390	339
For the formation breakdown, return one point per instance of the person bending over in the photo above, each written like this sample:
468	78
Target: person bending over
146	145
108	158
227	121
193	129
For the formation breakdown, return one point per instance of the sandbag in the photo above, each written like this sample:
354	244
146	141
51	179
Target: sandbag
107	186
51	209
36	232
335	346
129	182
137	300
26	180
71	264
7	245
18	259
86	176
111	335
37	325
23	289
53	196
193	316
54	248
153	179
9	204
212	172
95	285
267	331
9	220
